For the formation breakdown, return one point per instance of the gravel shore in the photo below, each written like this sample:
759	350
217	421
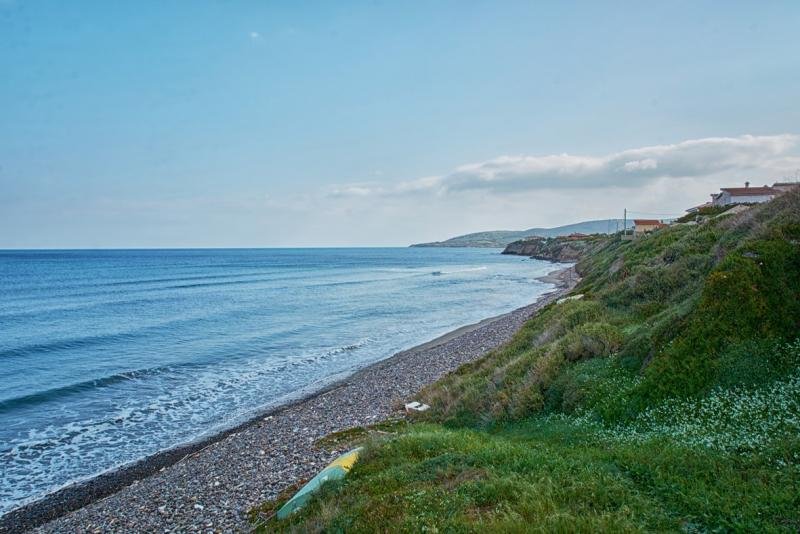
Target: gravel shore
209	486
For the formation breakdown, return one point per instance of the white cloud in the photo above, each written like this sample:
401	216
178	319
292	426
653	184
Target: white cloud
255	36
640	164
636	167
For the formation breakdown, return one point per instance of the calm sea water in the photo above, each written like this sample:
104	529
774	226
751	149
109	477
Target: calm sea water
110	356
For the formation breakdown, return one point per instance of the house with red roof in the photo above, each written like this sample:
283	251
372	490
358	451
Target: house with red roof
744	195
645	226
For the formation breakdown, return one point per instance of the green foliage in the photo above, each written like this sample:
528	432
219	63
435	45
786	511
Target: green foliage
708	211
667	399
348	438
548	476
511	382
590	340
600	387
670	305
753	294
755	416
757	362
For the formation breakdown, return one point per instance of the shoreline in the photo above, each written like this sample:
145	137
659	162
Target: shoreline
71	504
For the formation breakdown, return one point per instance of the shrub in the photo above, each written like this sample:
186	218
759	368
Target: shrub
590	340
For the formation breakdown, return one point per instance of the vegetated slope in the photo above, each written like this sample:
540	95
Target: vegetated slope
501	238
667	399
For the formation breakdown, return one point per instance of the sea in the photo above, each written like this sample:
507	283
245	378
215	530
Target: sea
109	356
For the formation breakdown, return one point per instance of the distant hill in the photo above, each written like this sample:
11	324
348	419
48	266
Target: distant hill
501	238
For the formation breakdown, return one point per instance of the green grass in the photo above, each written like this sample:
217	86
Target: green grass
668	399
351	437
549	476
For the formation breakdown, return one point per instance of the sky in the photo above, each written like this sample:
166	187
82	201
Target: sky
265	123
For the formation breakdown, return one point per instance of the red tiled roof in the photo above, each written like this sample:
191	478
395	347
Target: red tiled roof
747	191
646	222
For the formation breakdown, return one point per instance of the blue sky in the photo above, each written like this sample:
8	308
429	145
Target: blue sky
143	124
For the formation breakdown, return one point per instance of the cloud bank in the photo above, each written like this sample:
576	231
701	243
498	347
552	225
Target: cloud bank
630	168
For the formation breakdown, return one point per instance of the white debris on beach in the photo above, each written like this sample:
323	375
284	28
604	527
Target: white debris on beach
416	407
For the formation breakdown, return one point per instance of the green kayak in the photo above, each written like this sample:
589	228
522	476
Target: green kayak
335	471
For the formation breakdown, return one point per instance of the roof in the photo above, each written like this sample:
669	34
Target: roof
646	222
785	184
748	191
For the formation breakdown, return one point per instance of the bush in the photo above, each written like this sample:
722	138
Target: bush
754	294
602	387
590	340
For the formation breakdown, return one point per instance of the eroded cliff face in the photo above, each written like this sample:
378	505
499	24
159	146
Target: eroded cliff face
550	249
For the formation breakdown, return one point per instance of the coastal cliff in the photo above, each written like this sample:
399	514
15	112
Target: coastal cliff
559	249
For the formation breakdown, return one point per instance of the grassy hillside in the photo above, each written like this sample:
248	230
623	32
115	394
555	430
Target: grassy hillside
667	399
501	238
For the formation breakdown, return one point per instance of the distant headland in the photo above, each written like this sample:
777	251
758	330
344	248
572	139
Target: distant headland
501	238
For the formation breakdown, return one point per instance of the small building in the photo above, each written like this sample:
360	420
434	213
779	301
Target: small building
744	195
645	226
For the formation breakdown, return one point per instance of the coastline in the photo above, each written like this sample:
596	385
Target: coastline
210	483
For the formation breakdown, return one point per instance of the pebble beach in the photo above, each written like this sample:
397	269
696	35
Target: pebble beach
209	486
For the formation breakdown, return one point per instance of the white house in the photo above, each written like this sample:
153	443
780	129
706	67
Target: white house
744	195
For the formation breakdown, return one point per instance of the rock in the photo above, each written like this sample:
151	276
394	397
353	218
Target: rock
551	249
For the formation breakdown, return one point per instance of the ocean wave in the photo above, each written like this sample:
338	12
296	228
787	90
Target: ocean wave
256	367
48	395
456	271
349	348
167	326
67	344
73	291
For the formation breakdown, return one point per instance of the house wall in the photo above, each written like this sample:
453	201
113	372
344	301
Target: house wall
642	228
725	199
